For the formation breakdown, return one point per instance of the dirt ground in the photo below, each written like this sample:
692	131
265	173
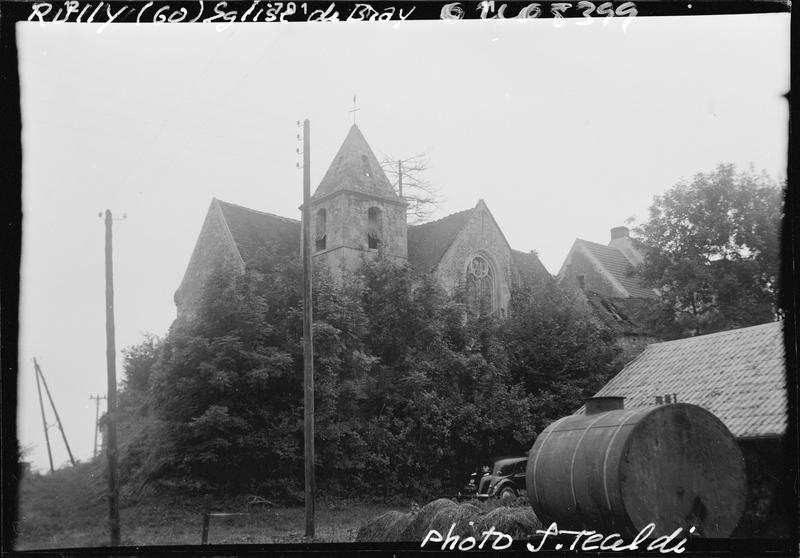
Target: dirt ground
68	509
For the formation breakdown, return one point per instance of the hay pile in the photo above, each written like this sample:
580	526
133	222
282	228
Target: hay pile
441	514
418	528
520	523
388	527
462	515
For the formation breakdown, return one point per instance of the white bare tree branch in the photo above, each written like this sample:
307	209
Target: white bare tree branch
422	197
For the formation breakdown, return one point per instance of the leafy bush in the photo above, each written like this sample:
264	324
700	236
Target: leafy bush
411	390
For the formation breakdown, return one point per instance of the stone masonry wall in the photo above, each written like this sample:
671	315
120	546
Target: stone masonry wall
480	236
347	227
214	248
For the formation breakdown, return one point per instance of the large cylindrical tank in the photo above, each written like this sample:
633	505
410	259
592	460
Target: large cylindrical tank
619	470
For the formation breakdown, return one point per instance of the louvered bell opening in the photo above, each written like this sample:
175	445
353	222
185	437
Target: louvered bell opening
373	239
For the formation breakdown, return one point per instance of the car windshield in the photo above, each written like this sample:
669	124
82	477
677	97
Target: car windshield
504	469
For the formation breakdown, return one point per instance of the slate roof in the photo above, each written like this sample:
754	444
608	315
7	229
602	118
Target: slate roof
529	265
255	230
739	375
615	262
355	168
428	242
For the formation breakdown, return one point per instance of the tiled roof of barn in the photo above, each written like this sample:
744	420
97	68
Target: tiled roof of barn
739	375
529	265
428	242
255	230
615	262
356	168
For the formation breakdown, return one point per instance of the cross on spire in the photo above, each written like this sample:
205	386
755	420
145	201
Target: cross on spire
354	109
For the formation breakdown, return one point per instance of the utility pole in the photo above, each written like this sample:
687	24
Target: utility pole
55	412
308	342
400	177
111	356
44	420
97	399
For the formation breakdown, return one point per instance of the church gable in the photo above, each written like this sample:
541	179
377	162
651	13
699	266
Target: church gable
214	248
232	237
468	248
480	259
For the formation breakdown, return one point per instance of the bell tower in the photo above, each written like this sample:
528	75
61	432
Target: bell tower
355	212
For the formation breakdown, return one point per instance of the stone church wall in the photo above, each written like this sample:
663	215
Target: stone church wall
480	236
214	249
347	228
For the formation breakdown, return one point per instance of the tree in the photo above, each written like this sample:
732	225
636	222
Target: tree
412	390
422	196
556	350
711	249
138	361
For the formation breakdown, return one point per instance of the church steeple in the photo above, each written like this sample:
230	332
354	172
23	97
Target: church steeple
356	211
355	168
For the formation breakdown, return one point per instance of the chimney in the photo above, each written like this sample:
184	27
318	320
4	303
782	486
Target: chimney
596	405
619	232
621	240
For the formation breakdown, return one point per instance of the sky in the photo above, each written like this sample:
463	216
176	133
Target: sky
564	132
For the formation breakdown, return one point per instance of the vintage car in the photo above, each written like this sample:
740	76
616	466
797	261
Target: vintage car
506	480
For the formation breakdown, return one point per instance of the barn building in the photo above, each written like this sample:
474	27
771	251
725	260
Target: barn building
357	214
740	376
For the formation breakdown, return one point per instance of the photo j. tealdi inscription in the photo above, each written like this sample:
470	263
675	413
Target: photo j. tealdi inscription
584	541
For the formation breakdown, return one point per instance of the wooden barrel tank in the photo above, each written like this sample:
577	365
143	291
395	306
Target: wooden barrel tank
615	471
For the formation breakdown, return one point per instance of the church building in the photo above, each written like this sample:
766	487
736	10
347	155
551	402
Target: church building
357	214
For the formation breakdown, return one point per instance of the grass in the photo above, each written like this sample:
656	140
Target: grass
68	509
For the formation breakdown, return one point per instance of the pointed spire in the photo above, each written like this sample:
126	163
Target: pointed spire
355	168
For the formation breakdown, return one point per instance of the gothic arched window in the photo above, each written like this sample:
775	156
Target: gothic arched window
320	229
374	227
480	286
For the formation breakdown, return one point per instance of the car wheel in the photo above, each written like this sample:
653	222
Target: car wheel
507	493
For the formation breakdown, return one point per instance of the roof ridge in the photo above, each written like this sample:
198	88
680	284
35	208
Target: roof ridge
705	336
443	218
236	205
601	245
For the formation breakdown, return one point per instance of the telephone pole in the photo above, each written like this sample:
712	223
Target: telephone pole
44	420
111	427
400	178
97	399
55	412
308	342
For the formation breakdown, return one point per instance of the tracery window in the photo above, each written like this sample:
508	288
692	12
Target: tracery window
374	227
480	286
